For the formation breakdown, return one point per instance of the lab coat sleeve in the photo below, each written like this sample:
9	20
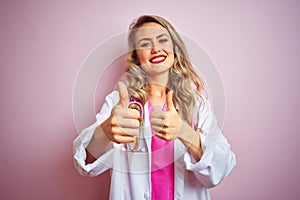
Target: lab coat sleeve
104	162
217	160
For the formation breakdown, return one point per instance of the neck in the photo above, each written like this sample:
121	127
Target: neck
157	90
159	82
157	95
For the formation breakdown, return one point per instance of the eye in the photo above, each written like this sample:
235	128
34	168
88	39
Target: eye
163	40
145	44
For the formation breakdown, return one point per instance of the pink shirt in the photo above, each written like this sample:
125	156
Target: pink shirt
162	166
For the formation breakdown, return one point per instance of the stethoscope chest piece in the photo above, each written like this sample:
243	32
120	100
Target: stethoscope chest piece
134	146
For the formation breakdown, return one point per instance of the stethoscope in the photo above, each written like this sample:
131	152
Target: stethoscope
134	104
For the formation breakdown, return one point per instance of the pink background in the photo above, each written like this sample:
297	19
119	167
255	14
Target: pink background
255	44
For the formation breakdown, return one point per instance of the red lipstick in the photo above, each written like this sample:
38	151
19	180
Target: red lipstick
158	59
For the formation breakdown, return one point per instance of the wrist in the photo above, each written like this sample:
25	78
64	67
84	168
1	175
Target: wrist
185	132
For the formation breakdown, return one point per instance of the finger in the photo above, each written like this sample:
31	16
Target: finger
169	101
123	93
162	130
158	129
158	114
125	122
163	136
126	113
162	118
125	131
159	135
157	122
124	139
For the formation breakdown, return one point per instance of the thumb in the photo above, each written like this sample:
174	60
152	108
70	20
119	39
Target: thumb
123	93
170	105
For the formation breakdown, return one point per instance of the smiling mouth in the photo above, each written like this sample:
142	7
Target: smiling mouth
158	59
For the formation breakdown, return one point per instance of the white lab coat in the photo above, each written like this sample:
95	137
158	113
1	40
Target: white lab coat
130	172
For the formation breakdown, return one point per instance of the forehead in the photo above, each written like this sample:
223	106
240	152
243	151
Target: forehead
150	30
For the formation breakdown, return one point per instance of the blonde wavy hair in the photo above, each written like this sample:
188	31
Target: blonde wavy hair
183	79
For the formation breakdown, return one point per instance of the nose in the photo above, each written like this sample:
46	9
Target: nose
155	48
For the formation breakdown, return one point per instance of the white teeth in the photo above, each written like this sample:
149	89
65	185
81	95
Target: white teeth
158	59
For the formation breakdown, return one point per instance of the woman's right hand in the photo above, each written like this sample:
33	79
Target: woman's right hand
123	123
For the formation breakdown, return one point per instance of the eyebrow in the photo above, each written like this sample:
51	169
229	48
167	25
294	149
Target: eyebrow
157	37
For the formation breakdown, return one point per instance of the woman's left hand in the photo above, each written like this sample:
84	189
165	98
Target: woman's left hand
167	124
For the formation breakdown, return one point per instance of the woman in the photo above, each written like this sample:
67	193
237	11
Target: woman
170	147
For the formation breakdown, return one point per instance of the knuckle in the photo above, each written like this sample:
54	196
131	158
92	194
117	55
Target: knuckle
115	131
114	109
114	138
117	140
166	115
162	131
112	121
166	123
156	128
136	132
137	123
134	113
115	121
168	137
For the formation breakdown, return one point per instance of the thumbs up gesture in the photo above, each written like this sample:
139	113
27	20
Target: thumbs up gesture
122	125
166	124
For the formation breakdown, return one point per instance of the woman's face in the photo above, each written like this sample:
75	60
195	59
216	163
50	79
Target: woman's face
154	48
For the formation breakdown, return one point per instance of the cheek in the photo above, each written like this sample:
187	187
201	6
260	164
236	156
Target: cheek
169	47
171	59
141	55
